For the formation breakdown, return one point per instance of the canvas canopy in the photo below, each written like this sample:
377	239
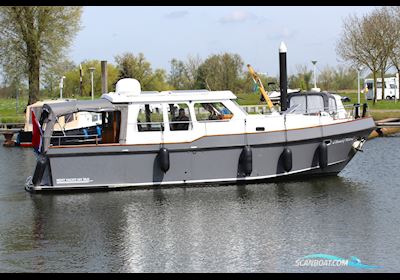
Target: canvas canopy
51	111
67	107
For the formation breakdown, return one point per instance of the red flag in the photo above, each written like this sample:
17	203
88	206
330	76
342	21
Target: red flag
36	134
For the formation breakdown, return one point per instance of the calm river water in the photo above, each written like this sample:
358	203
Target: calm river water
252	228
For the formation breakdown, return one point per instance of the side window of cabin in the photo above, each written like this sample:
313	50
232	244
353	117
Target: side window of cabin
332	105
179	117
150	118
69	117
300	102
96	118
212	111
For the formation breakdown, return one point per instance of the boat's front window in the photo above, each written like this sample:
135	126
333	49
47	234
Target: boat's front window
240	107
212	111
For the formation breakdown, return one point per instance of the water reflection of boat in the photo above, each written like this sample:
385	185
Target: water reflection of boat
79	123
219	142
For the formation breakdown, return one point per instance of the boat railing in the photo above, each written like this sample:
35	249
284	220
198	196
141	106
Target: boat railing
357	110
335	113
74	139
350	111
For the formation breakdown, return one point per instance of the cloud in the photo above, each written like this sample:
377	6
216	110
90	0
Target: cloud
237	16
176	14
284	33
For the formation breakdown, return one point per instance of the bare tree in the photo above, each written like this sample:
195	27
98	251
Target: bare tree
387	35
192	67
33	37
394	56
360	45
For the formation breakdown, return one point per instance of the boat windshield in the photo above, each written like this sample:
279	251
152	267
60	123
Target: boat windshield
240	107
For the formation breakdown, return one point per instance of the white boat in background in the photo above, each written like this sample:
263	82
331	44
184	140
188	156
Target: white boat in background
275	95
75	123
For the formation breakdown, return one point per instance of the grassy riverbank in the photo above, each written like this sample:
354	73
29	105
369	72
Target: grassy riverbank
9	112
381	110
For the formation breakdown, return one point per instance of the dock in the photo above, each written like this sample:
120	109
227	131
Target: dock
8	130
392	122
386	127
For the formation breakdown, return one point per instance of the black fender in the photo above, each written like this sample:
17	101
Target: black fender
323	155
41	165
246	160
163	159
287	159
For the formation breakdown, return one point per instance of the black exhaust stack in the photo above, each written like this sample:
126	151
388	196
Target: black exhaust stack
104	88
283	76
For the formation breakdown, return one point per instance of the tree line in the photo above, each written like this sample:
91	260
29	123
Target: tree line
34	42
217	72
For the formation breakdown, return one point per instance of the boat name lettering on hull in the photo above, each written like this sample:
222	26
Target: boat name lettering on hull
339	141
73	180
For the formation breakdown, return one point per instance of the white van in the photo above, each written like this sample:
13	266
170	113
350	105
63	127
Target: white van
391	88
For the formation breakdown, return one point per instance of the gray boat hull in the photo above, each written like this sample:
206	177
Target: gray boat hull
211	159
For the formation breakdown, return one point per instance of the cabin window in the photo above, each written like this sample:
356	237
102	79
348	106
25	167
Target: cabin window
300	102
96	117
150	117
212	111
315	104
379	85
179	117
69	118
332	105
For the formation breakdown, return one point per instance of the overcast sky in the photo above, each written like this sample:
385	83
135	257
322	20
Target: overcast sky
255	33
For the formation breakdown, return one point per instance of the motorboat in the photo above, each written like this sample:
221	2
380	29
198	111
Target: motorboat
191	137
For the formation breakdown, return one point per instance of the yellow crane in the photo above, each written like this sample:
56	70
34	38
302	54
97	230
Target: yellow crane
257	80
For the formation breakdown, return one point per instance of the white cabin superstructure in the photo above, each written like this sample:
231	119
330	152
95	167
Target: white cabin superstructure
234	121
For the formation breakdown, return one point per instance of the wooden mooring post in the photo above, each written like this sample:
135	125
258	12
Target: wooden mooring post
8	130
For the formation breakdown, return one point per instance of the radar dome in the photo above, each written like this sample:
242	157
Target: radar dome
128	87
